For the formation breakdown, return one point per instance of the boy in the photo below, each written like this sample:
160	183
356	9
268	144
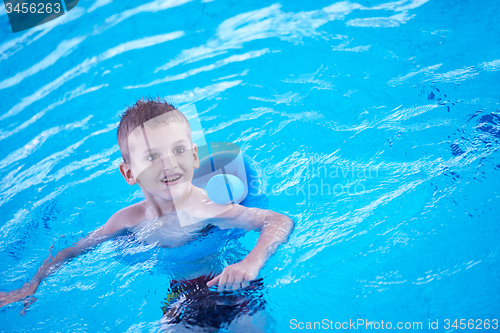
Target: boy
159	155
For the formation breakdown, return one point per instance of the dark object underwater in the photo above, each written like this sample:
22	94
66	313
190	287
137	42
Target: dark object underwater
191	302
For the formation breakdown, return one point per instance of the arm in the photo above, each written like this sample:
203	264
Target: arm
275	229
51	264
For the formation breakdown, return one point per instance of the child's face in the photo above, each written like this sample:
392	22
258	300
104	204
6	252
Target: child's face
163	159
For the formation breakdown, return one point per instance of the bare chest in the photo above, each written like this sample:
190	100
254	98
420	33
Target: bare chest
167	231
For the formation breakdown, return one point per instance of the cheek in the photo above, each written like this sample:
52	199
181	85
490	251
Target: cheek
149	178
188	167
146	169
138	168
186	161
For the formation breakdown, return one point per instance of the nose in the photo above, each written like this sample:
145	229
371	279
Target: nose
169	163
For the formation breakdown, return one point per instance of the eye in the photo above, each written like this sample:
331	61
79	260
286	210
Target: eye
179	150
152	157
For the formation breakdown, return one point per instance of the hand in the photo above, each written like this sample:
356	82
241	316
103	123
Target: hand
235	276
26	290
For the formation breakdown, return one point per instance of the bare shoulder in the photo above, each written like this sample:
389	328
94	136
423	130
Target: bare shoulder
238	216
127	217
231	215
201	206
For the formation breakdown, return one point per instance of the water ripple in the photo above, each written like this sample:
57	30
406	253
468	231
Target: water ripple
217	64
87	64
65	48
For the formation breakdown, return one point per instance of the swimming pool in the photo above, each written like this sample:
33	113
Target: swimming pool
377	125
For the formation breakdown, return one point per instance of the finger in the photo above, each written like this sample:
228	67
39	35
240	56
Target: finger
247	280
237	281
27	302
222	281
230	281
214	281
236	285
245	283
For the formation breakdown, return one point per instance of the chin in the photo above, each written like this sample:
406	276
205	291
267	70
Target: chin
176	192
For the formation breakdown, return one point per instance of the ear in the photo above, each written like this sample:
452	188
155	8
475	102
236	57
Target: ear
126	171
196	157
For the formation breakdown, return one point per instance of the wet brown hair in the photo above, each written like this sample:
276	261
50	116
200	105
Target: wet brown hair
145	110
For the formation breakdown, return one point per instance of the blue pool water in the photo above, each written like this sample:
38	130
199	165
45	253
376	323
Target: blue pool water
377	125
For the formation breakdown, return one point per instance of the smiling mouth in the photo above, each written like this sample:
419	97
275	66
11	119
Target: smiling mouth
172	179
